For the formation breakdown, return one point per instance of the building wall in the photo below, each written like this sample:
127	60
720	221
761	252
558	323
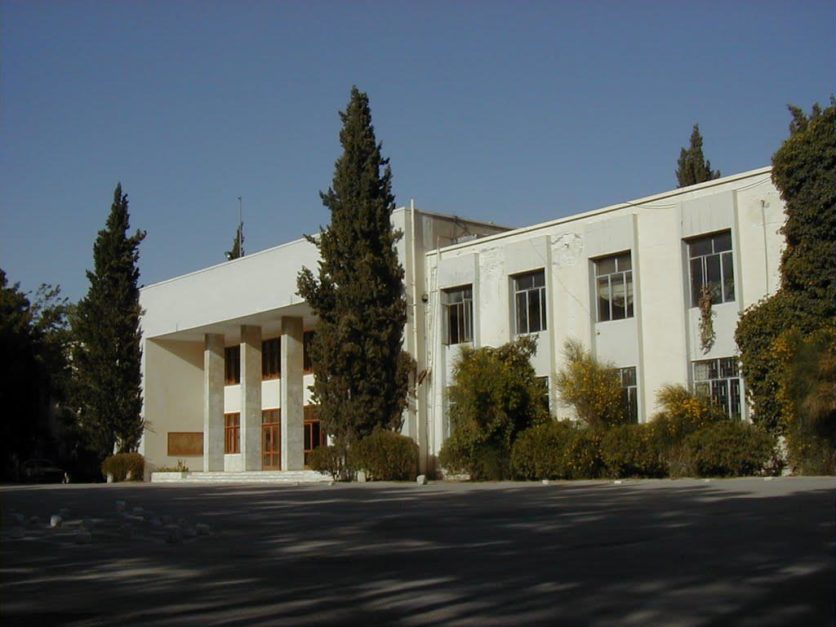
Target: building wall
661	339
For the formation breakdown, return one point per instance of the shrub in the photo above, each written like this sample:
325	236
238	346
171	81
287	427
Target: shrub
591	387
331	460
124	466
582	454
729	449
496	395
538	451
683	413
632	451
386	456
482	461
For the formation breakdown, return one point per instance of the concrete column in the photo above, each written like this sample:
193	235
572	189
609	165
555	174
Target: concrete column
251	397
213	402
292	395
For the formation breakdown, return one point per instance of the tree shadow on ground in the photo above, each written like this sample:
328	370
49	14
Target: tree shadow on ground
650	552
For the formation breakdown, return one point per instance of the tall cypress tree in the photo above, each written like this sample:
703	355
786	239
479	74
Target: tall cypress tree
693	167
107	351
360	367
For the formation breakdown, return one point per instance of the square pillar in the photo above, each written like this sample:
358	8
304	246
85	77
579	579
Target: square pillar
292	395
213	402
251	397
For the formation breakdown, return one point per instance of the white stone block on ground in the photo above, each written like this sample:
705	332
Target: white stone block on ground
55	520
361	476
545	482
421	480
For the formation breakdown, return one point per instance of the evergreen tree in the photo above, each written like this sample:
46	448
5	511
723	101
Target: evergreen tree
361	370
107	351
692	167
237	244
804	171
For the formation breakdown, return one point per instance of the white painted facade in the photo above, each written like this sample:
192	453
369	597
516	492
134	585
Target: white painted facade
255	297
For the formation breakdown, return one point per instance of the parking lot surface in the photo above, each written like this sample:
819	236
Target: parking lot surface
685	552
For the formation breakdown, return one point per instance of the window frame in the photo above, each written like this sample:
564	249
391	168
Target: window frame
725	387
271	359
628	376
527	293
464	317
232	365
723	268
626	277
232	433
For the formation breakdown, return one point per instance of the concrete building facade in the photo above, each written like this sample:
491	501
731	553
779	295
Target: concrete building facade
225	367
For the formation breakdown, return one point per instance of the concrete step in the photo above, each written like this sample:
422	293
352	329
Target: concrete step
255	476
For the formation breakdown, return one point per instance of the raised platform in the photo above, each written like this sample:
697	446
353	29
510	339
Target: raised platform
255	476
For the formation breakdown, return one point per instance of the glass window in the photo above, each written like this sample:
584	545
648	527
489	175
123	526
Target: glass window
719	379
614	287
530	302
232	433
271	359
630	392
458	316
711	266
314	434
232	365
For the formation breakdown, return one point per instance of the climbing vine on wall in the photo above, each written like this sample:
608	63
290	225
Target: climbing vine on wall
707	333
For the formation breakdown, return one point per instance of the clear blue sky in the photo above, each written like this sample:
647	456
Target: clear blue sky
515	112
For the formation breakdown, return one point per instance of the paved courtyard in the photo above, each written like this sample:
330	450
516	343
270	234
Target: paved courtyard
689	552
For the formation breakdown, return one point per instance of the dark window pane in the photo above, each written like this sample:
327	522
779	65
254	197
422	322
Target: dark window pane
522	313
534	321
605	266
603	299
696	281
618	297
734	398
722	241
628	280
539	279
700	247
728	277
623	262
712	271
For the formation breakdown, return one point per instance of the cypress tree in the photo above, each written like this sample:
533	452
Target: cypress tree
361	370
693	167
107	352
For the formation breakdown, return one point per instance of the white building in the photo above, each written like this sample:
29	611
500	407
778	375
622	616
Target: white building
226	378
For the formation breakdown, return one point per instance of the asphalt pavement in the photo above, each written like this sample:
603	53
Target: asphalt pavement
666	552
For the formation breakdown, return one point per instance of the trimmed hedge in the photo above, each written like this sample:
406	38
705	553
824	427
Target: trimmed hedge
632	451
123	464
538	451
331	460
386	456
729	449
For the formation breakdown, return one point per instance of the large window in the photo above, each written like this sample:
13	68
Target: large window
270	439
712	267
530	302
458	307
630	392
232	433
314	433
719	379
271	359
614	287
232	365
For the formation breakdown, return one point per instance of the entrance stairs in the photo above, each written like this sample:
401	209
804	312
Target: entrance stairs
254	476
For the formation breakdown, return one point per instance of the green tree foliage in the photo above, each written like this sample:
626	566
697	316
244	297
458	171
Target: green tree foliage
592	388
495	395
362	373
804	171
237	250
33	371
693	167
107	350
